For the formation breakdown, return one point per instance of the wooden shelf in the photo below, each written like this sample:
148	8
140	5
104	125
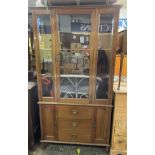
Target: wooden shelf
75	49
46	49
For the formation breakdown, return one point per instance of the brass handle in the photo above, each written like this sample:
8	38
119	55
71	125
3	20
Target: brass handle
74	124
74	112
74	136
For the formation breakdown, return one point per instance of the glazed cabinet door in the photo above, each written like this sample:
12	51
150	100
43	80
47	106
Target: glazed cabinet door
74	55
48	122
44	51
102	127
105	54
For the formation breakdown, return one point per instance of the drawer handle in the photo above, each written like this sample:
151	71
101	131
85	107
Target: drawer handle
74	136
74	124
74	112
120	141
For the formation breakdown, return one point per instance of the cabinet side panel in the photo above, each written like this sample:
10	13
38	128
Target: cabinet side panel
101	125
48	122
119	133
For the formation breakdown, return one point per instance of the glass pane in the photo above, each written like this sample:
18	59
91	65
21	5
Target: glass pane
74	31
45	49
74	35
74	74
105	32
104	55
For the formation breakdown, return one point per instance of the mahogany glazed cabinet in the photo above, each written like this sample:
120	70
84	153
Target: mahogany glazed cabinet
75	55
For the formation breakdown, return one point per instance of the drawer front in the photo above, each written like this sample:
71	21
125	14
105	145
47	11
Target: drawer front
80	124
120	127
75	136
120	113
121	109
118	152
69	112
121	100
120	143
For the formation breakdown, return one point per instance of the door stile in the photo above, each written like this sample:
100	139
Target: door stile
115	31
53	18
36	44
56	54
91	64
96	29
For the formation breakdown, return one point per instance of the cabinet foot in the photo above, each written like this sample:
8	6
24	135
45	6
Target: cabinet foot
43	148
107	149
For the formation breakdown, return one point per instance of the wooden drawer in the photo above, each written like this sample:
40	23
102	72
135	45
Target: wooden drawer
120	127
121	109
83	136
120	143
80	124
117	152
120	115
69	112
121	100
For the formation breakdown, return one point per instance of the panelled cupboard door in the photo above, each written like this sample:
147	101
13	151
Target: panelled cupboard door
105	53
102	127
48	122
74	55
44	48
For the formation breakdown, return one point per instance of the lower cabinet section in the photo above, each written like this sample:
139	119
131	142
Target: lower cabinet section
79	124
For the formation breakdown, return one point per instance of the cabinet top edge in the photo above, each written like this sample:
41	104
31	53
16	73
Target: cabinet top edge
76	7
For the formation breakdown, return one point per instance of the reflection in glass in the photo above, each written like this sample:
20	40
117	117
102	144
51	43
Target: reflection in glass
74	31
103	73
104	55
45	43
74	86
74	74
105	32
74	62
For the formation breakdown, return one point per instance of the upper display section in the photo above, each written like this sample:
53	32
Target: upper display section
75	50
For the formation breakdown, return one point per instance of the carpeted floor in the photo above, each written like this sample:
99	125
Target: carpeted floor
60	149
